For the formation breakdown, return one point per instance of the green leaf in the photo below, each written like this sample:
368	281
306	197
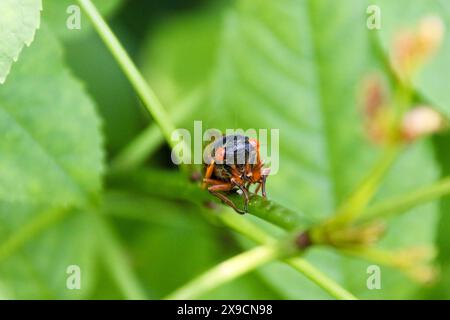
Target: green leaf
51	142
40	269
297	66
51	159
283	65
122	114
20	19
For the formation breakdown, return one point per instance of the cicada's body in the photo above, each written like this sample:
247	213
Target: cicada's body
234	163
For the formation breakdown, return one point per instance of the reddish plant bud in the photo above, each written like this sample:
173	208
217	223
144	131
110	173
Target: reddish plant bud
373	95
411	49
415	262
421	121
374	105
430	34
402	56
424	274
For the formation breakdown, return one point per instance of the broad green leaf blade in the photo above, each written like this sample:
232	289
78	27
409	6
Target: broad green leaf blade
50	151
276	71
18	24
50	157
41	268
284	65
121	112
297	66
300	77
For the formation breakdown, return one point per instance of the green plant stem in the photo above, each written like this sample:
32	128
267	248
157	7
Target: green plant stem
243	226
379	256
116	261
31	230
175	186
138	150
227	271
253	232
351	209
250	230
138	82
354	206
403	203
109	247
319	278
402	259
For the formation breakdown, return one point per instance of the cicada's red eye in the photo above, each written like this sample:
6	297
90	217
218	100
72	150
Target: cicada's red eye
253	142
219	155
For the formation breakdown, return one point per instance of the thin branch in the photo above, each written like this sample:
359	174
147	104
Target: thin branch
251	231
247	228
403	203
141	147
413	261
227	271
31	230
174	185
45	220
138	82
352	208
319	278
116	261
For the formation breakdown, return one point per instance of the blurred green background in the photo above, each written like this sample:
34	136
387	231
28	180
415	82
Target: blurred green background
293	65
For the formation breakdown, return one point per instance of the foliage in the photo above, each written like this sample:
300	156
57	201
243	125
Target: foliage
17	29
80	186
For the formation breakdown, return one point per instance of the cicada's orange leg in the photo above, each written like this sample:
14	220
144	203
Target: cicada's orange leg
215	191
244	192
212	181
257	188
208	173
